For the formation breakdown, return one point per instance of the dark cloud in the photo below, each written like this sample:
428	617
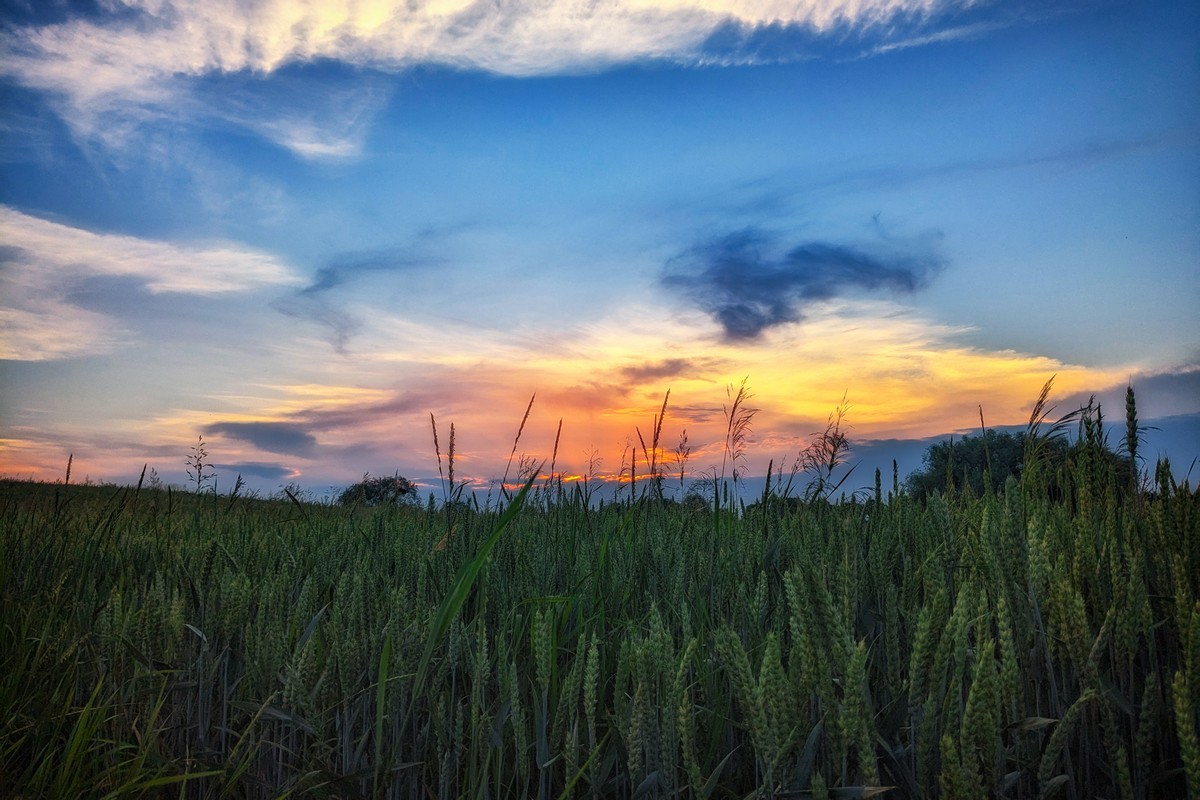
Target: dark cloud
667	368
347	416
257	469
1160	394
295	435
275	437
341	324
747	290
346	267
315	303
696	414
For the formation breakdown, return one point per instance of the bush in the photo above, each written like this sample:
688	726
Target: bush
394	491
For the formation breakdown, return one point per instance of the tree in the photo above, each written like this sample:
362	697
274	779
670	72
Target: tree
962	463
394	491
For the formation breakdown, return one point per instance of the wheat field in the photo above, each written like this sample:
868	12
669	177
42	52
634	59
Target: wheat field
1022	643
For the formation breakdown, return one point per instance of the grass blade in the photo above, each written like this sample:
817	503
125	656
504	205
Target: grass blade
462	586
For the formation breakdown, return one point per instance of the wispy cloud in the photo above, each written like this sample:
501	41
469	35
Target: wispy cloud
321	114
747	289
38	325
160	266
315	303
783	194
343	268
115	69
312	141
339	324
44	261
971	31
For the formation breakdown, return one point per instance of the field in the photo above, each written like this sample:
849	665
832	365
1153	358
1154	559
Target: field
1023	643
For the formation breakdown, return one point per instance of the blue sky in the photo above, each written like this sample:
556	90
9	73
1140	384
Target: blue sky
299	230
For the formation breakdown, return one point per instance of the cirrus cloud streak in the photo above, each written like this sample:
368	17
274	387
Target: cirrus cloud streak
113	70
43	261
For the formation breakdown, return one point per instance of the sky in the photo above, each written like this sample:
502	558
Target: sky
310	231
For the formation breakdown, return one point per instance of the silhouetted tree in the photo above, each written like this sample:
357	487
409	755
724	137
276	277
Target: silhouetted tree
394	491
963	463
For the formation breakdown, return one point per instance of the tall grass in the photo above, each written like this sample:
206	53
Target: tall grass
1021	643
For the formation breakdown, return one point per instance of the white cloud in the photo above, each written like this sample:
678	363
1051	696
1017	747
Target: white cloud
136	65
317	121
46	327
43	261
971	31
63	251
312	142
